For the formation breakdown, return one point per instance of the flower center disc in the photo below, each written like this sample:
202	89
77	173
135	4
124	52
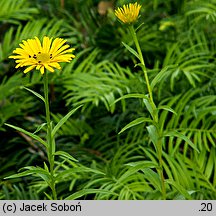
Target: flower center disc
43	57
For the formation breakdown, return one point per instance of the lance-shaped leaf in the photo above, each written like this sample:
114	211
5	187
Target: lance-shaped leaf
134	123
153	134
28	133
65	155
168	108
131	50
161	75
31	170
150	107
63	120
181	136
40	127
35	93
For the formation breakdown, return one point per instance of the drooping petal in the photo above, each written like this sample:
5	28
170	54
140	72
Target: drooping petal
29	69
42	69
55	65
48	68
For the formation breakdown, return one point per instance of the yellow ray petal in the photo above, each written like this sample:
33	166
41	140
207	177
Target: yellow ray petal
42	70
57	43
46	44
48	68
32	54
29	69
55	65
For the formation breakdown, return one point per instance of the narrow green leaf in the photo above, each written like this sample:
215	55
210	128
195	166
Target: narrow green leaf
28	133
18	175
168	108
43	173
179	188
135	167
161	75
63	120
48	196
65	155
134	123
30	171
189	77
35	93
150	107
181	136
142	164
131	50
76	172
153	178
39	127
46	167
153	134
210	164
84	192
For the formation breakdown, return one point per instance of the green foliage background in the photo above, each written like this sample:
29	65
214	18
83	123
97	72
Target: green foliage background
177	37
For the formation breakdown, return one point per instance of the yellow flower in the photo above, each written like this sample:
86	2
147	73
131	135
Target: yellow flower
129	13
46	55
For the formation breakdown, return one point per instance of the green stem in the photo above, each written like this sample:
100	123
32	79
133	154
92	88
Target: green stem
50	142
154	114
159	153
133	33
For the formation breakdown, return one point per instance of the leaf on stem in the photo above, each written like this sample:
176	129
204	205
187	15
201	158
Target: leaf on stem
39	127
151	107
168	108
63	120
134	123
35	93
181	136
153	134
134	167
153	178
28	133
161	75
65	155
31	170
131	50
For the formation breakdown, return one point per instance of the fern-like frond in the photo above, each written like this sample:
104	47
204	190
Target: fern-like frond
192	62
200	11
92	83
195	118
16	11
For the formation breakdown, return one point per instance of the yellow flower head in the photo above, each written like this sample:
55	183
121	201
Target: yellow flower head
129	13
46	55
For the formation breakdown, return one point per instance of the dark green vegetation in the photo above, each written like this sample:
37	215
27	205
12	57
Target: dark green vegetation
178	37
